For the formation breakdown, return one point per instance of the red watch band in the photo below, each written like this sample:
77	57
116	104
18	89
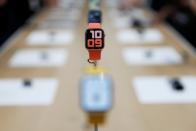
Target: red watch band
94	54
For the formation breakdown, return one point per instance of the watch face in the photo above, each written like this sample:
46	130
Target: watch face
94	39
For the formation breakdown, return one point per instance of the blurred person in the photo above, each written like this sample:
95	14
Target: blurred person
2	2
181	14
51	3
129	4
2	20
13	14
193	5
35	5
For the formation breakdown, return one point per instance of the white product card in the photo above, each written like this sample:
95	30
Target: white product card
36	92
50	38
69	25
132	36
58	26
151	56
73	14
139	14
39	58
122	22
158	90
125	19
120	19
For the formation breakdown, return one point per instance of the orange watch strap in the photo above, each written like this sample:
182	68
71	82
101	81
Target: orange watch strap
94	26
94	54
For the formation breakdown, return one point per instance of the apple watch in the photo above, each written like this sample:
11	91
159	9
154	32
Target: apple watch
94	36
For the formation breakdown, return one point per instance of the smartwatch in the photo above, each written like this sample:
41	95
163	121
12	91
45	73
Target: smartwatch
94	41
